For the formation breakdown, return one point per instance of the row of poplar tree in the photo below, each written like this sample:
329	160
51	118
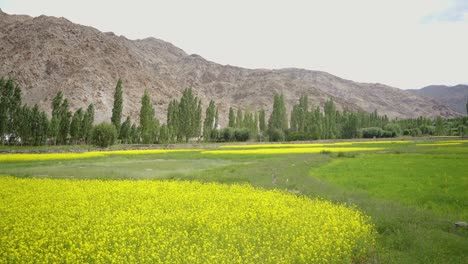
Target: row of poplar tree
20	124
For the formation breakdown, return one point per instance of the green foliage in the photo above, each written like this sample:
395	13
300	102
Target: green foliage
64	123
104	135
232	118
148	123
210	121
262	121
76	126
163	134
189	115
87	124
10	107
241	134
118	105
277	135
125	131
227	134
173	121
239	119
372	132
278	119
394	128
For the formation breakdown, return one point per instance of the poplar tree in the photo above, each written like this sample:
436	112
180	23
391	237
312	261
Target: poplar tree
76	126
64	123
239	119
278	119
173	121
118	105
189	115
232	118
262	121
55	120
210	120
147	122
87	124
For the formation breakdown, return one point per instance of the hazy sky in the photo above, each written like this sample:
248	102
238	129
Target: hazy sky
402	43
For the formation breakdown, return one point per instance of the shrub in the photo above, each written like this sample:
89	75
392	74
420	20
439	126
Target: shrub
104	135
415	132
295	136
387	134
276	135
241	134
227	134
395	129
371	132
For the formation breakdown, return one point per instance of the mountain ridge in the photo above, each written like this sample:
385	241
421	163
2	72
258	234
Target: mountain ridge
455	97
48	54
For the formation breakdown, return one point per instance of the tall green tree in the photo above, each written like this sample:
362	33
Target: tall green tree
173	121
147	119
262	121
239	119
232	118
330	131
87	124
189	115
118	105
10	106
210	120
56	116
76	126
64	123
278	119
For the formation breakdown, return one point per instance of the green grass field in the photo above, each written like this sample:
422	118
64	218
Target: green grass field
413	192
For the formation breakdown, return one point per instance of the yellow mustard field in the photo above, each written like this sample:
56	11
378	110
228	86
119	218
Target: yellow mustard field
83	221
13	157
289	150
286	145
439	144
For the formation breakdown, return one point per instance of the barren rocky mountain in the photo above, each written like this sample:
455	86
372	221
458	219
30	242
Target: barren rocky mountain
48	54
454	97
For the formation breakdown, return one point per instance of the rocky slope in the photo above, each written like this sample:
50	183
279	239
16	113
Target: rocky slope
48	54
454	97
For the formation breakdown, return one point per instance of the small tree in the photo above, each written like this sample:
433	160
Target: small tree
104	135
125	130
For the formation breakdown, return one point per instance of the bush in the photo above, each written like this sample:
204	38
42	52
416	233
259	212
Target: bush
371	132
388	134
428	130
227	134
104	135
395	129
276	135
297	136
415	132
241	134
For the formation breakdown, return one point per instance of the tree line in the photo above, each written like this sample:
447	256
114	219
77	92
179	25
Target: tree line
21	124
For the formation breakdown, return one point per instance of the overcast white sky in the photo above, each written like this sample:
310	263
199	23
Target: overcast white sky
402	43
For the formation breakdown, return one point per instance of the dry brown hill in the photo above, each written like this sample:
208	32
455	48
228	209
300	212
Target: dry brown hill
454	97
48	54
